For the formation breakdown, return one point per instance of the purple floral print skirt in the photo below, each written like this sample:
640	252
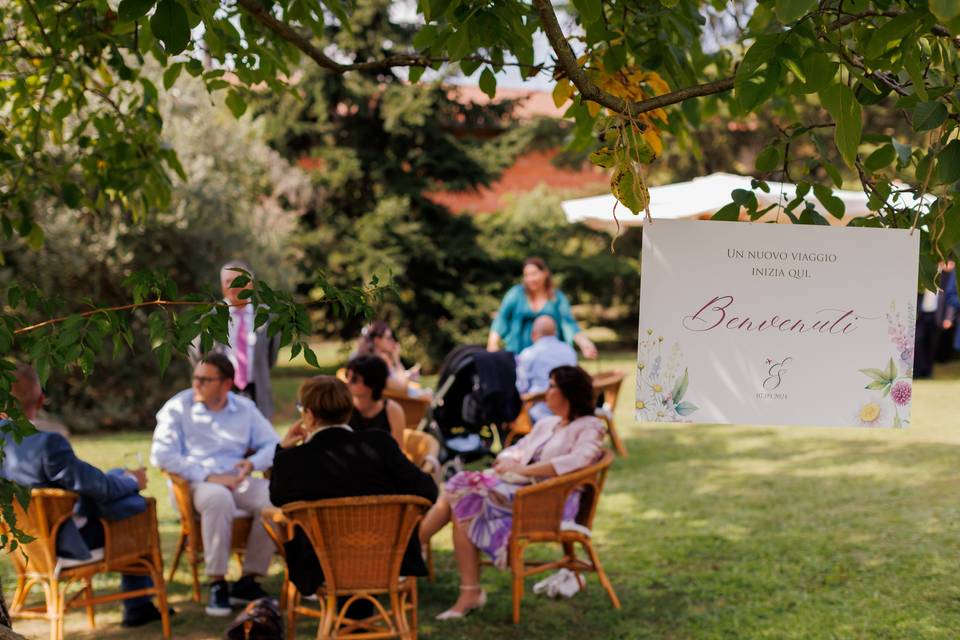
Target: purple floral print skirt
482	504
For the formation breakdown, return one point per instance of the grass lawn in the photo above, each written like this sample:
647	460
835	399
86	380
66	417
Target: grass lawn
706	532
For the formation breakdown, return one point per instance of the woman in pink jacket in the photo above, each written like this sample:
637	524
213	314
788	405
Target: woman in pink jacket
480	503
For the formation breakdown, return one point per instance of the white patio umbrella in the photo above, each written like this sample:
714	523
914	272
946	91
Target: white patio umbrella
702	197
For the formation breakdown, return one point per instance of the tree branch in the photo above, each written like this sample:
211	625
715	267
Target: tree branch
123	307
259	13
568	62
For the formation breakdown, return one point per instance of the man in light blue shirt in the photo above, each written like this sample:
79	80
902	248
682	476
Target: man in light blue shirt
535	363
215	438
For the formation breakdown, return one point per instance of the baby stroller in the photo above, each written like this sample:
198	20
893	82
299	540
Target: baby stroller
476	399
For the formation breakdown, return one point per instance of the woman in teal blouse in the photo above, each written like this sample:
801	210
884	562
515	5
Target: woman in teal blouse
525	302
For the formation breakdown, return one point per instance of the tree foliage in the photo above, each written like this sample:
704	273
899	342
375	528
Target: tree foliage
80	122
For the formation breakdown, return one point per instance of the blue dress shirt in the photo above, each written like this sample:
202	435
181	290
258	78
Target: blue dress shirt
195	442
534	365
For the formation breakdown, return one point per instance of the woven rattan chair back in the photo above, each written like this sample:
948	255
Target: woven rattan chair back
608	383
47	510
359	541
414	409
538	509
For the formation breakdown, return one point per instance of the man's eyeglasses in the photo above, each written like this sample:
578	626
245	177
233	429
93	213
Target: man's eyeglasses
299	408
204	379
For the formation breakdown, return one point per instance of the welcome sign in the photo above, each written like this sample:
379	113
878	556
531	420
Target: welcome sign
776	324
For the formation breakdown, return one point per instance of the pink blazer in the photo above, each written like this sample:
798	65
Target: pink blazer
575	446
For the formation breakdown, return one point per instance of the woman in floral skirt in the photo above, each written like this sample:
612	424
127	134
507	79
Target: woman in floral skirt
480	503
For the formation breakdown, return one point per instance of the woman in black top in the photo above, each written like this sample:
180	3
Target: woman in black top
321	457
366	379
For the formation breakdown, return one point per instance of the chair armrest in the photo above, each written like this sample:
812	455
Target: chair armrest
279	527
538	508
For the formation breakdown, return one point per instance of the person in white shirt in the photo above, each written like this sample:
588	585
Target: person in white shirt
215	439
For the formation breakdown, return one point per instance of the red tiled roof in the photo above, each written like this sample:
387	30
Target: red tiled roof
528	172
530	104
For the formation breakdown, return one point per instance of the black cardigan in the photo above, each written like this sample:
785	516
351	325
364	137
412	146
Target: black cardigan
337	463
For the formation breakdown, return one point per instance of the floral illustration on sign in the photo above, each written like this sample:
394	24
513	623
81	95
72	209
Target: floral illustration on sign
662	382
891	386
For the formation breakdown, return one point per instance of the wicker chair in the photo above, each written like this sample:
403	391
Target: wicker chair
537	514
191	538
524	423
360	543
414	409
131	545
607	383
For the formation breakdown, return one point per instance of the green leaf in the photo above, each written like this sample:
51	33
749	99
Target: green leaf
790	10
838	99
904	151
729	212
819	70
627	188
911	62
171	74
425	37
488	82
310	357
685	408
880	158
830	202
415	74
131	10
750	88
948	163
891	33
770	158
833	172
929	115
603	157
945	10
680	387
170	25
72	195
35	237
336	6
236	103
163	357
589	10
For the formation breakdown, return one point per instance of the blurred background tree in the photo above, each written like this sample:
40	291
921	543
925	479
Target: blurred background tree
241	200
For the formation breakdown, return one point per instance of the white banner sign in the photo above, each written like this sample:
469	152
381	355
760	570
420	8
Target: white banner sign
776	324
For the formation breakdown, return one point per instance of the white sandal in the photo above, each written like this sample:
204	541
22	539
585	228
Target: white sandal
453	614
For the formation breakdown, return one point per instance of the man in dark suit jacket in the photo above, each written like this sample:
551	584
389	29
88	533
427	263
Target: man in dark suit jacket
252	351
322	457
46	460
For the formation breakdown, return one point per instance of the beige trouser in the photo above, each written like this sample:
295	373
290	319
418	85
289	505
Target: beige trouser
217	506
